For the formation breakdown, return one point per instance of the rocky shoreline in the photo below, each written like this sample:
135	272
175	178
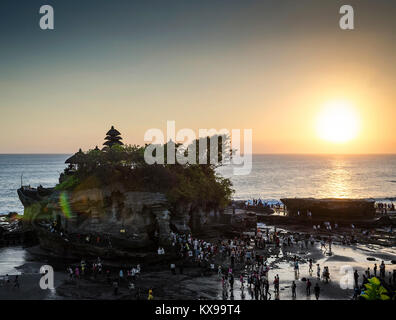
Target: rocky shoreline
369	242
199	282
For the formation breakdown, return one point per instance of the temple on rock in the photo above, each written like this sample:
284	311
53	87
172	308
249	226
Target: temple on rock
113	137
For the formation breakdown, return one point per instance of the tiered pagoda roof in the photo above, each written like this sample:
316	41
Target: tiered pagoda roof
113	137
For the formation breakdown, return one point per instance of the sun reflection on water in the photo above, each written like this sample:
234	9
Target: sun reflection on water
339	182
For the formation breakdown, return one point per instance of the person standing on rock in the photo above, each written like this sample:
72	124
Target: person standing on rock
317	291
382	270
276	284
70	270
308	288
150	295
356	277
16	282
375	270
266	290
121	275
231	282
293	287
115	287
296	268
173	268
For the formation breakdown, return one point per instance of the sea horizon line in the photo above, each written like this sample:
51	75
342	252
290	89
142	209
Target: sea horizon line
253	154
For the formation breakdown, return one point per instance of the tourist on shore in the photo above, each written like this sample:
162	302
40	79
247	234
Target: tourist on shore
364	280
293	287
317	291
6	279
16	282
115	287
276	284
121	275
150	295
326	274
231	280
173	268
382	269
356	293
266	290
131	287
133	274
308	287
375	270
310	270
356	277
70	271
318	270
296	268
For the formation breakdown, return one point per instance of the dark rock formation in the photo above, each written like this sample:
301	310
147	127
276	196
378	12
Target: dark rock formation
109	221
330	209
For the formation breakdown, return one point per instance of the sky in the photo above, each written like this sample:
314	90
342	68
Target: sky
269	66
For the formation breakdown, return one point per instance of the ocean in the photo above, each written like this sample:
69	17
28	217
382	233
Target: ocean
272	176
35	169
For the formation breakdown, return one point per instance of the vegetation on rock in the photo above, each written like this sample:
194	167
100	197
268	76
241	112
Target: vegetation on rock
374	290
195	184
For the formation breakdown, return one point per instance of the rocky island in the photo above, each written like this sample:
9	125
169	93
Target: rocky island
110	203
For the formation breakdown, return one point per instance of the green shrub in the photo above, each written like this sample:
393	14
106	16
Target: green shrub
374	290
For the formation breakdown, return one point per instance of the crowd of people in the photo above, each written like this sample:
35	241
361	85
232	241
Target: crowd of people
384	208
8	282
260	203
94	269
99	240
244	259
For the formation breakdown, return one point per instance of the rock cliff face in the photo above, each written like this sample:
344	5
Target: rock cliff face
109	216
127	222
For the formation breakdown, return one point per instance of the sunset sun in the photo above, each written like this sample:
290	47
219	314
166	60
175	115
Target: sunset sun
338	122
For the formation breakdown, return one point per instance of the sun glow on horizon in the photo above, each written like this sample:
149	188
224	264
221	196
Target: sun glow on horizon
338	122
